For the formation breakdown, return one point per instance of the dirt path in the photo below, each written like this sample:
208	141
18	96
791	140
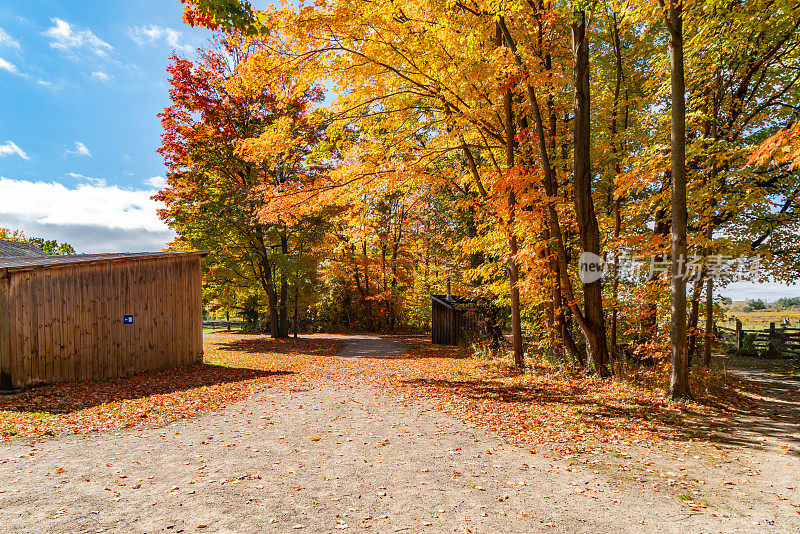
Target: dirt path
775	420
326	457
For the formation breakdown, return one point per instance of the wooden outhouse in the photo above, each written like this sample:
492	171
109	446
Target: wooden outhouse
451	318
87	316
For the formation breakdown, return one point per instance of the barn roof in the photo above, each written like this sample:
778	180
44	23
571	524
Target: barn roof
15	249
46	262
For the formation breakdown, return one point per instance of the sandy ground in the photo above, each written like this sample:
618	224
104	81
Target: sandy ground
328	457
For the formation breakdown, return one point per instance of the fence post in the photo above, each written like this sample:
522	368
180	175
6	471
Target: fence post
739	336
772	343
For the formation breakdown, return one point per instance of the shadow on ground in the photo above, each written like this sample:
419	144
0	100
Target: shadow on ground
373	348
773	416
591	410
309	345
70	397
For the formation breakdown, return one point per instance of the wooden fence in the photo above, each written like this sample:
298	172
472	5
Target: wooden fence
771	342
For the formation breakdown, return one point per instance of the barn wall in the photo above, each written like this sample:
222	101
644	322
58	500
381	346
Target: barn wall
66	322
5	337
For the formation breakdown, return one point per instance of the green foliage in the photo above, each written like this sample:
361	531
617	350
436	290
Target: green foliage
52	247
757	304
250	309
749	348
789	302
331	311
229	15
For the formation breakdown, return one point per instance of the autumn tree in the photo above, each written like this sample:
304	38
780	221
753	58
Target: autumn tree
233	152
556	128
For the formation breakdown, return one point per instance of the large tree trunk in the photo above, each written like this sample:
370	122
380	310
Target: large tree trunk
560	322
616	150
595	331
679	377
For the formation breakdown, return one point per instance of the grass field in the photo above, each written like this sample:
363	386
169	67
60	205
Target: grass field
220	329
760	319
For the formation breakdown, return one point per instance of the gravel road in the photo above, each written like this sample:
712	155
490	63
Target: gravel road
324	457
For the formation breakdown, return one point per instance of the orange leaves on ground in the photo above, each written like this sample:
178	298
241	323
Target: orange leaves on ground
236	366
533	409
572	414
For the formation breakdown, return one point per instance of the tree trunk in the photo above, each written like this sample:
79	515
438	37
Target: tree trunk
709	335
367	301
694	315
272	299
513	269
551	189
589	231
679	377
283	319
616	150
296	299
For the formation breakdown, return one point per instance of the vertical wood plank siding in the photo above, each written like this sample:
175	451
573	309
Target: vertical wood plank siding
5	337
448	324
65	322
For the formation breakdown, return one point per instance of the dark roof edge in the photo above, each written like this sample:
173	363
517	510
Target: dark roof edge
442	301
112	258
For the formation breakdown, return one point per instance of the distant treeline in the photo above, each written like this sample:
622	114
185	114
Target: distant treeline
782	303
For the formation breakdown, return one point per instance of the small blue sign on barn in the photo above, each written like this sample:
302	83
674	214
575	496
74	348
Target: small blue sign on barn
127	319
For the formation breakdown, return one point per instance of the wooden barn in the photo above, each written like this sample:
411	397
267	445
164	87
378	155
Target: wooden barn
90	316
451	318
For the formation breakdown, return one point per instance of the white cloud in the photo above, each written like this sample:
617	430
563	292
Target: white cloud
9	148
95	181
159	182
80	150
65	37
94	218
7	40
102	76
143	35
769	291
7	65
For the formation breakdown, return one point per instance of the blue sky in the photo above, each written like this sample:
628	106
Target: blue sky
81	84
